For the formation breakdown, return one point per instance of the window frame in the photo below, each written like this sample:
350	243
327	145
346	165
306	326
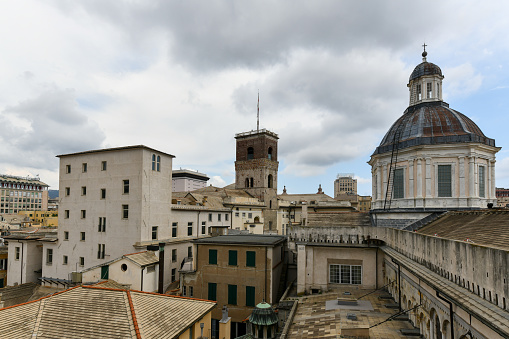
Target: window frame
125	211
250	258
49	256
345	272
233	258
441	185
174	228
104	165
232	294
212	256
84	167
250	296
154	232
482	181
398	187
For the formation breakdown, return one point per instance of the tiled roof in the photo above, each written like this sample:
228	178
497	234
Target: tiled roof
483	227
94	312
305	197
143	258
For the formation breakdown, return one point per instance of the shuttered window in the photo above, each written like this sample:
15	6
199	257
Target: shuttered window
212	295
232	258
232	294
444	181
399	184
212	257
250	296
250	258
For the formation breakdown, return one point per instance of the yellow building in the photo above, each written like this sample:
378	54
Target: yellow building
39	218
364	203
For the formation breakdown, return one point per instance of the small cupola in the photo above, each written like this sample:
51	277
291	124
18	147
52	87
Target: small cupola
425	83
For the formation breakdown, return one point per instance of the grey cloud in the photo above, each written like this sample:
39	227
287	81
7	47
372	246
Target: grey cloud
37	129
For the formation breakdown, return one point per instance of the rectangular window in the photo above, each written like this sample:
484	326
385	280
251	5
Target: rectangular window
398	190
218	217
83	214
345	274
17	252
250	258
236	214
482	182
250	296
154	232
104	165
226	217
250	215
189	228
190	251
210	216
83	190
174	229
125	211
212	257
444	181
232	294
428	90
67	168
243	214
191	291
67	191
103	193
184	290
100	251
173	274
126	186
66	235
212	292
49	256
66	214
419	92
102	224
82	236
82	261
203	227
232	258
84	167
174	255
65	260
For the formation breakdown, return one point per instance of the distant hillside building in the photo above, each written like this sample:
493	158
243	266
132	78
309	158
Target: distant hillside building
345	184
184	180
502	197
22	194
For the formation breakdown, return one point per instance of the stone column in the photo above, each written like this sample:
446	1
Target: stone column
411	178
493	190
419	178
461	175
471	177
428	178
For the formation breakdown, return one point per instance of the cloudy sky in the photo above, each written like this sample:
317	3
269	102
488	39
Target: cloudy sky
183	77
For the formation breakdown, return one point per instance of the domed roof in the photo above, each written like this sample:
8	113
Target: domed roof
425	68
432	123
264	315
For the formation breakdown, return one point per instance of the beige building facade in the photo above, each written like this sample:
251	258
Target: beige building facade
22	194
345	184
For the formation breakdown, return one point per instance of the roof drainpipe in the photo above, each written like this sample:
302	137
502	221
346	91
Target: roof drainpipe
451	315
161	268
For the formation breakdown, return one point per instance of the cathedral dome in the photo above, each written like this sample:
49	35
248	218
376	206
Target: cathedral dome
432	123
425	68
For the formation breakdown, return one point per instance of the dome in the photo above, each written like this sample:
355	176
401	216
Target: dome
425	68
432	123
263	314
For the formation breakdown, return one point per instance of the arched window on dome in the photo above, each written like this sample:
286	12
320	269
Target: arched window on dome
419	92
269	153
428	90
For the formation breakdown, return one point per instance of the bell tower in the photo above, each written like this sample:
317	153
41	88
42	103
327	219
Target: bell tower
256	169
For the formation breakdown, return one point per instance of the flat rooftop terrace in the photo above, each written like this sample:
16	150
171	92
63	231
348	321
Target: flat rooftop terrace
315	318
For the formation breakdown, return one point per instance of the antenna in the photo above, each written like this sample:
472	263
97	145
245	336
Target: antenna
258	113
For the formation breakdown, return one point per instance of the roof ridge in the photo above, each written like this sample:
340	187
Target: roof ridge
133	313
37	323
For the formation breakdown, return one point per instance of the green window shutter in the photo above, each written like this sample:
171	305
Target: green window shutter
250	296
212	257
232	258
212	291
105	270
232	294
250	259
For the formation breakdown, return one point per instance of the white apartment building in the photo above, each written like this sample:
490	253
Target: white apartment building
184	180
113	201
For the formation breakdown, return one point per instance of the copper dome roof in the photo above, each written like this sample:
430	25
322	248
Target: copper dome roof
425	68
432	123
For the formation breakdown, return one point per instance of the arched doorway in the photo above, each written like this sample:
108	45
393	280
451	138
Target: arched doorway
438	329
